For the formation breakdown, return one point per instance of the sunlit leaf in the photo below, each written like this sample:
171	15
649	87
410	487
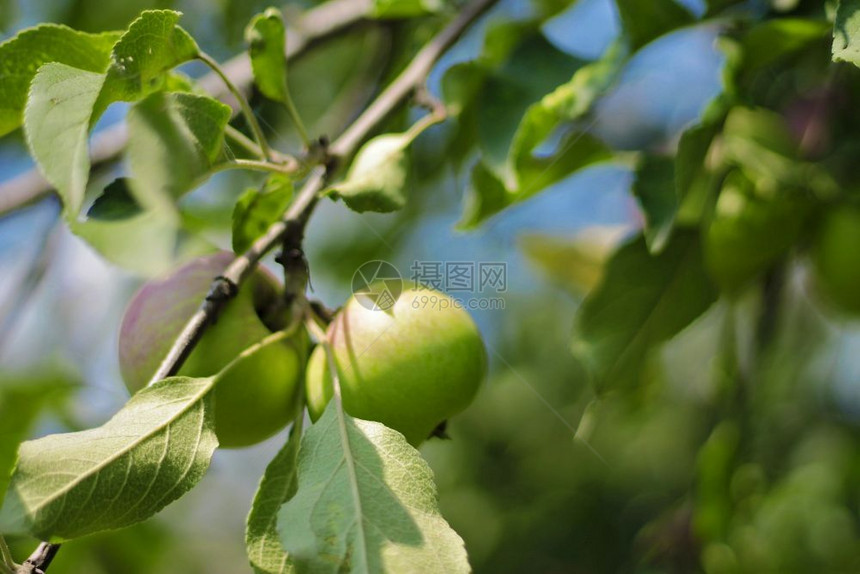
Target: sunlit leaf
149	454
266	40
56	124
153	44
846	32
23	55
21	401
257	209
773	39
377	179
643	300
365	503
279	484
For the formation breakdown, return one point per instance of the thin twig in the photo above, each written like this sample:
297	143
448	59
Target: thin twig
247	112
313	26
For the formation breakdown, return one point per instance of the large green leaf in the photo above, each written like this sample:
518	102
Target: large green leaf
647	20
257	209
23	55
846	32
21	401
150	453
643	300
773	39
266	38
366	503
174	140
152	45
56	124
279	484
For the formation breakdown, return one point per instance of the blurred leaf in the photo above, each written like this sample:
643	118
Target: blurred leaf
567	102
646	20
279	484
773	39
174	140
23	55
145	243
366	502
21	401
266	38
153	44
403	8
643	300
485	197
577	263
846	32
115	203
461	84
533	69
692	151
377	178
56	124
149	454
654	188
257	209
715	465
771	220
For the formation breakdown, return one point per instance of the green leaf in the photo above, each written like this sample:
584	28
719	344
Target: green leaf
654	188
115	203
643	300
366	503
149	454
647	20
257	209
568	102
145	244
773	39
377	178
21	401
266	38
23	55
692	150
403	8
279	484
174	139
485	197
153	44
846	32
56	125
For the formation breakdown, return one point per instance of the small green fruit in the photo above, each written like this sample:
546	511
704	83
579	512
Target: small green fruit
256	397
409	367
836	257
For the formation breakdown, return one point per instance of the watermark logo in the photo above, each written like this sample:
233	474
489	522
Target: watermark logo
377	285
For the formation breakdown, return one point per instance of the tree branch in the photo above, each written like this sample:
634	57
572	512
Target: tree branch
227	285
313	26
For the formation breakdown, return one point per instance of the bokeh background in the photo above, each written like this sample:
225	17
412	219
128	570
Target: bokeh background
539	474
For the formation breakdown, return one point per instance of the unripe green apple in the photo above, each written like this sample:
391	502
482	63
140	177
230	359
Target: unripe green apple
256	397
410	367
836	257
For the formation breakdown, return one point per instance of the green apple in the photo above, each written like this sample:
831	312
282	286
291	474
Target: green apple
836	257
257	396
410	367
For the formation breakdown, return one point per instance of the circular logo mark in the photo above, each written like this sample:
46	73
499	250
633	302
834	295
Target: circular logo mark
377	285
